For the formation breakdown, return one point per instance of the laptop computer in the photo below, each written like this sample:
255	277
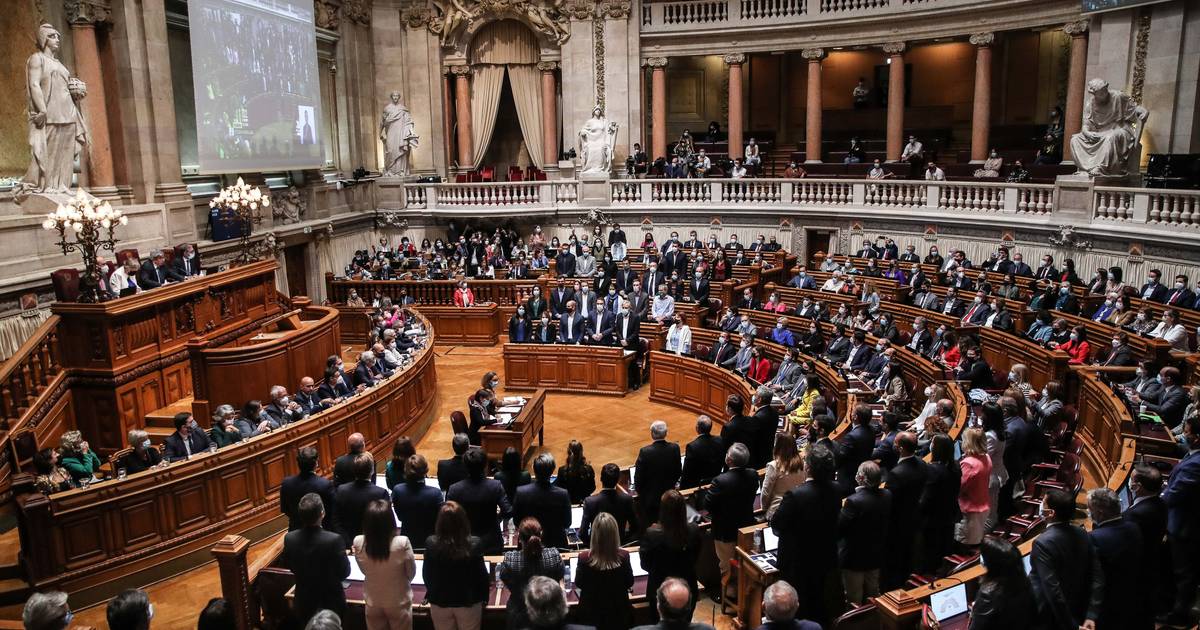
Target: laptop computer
949	603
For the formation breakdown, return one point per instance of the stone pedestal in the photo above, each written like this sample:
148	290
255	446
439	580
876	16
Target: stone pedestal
1074	194
41	204
593	190
566	169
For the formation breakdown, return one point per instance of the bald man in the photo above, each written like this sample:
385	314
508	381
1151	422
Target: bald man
675	608
308	399
343	467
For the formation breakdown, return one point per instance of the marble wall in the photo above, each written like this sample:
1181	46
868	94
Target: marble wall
18	32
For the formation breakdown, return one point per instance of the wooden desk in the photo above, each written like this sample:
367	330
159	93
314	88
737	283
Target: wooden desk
568	368
691	383
475	326
529	422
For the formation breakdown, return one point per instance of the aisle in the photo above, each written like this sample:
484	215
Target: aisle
611	428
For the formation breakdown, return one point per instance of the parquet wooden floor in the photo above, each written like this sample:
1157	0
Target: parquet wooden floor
611	429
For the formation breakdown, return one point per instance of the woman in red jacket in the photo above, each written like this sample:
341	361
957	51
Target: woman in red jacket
1077	347
463	296
760	366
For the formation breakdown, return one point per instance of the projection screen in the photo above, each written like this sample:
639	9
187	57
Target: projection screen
254	67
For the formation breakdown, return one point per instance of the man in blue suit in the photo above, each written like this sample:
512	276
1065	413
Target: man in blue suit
1118	542
571	326
1182	497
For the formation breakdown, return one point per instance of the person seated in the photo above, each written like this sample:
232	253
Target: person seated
878	172
154	272
1171	331
49	477
282	409
334	387
974	369
991	166
124	277
367	373
738	171
702	164
142	457
835	283
1077	346
187	440
224	430
753	155
934	174
794	171
1017	174
855	154
79	460
1050	152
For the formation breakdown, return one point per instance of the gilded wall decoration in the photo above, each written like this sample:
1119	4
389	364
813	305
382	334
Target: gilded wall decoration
548	17
1138	81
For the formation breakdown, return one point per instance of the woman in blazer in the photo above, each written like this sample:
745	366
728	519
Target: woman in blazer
604	578
1005	597
679	338
1077	347
1000	318
760	367
455	575
388	566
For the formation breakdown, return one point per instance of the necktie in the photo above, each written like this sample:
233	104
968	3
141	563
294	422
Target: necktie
131	284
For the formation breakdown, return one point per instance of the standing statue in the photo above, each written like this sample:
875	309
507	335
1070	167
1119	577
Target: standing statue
596	141
1112	126
398	135
56	129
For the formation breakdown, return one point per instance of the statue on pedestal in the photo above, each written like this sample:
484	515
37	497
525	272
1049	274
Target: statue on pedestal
56	129
396	129
1108	145
597	139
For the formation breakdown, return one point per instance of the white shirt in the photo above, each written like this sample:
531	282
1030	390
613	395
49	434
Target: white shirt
911	149
738	172
936	175
120	280
1176	336
833	284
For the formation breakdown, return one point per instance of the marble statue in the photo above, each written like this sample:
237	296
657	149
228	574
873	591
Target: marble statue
56	129
396	129
1108	144
549	19
597	139
454	15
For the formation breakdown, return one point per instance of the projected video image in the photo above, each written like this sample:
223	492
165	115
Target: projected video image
257	93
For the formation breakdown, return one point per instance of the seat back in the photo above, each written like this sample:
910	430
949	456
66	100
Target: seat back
66	284
458	421
270	587
123	254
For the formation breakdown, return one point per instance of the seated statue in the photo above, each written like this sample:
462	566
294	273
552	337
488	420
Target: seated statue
1108	144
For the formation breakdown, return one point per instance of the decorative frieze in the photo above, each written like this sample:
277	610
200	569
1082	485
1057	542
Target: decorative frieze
813	54
1077	28
983	39
87	11
893	48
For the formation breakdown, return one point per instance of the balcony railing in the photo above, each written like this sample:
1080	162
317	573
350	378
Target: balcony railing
1170	212
688	15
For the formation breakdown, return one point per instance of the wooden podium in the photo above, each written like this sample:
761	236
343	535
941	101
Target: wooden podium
568	368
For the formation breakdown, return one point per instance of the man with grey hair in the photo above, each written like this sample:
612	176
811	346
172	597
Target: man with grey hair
343	466
324	620
47	611
730	503
1118	544
863	532
282	409
780	603
365	373
704	457
657	470
546	605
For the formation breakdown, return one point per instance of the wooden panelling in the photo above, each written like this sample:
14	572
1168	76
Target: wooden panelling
694	384
476	326
590	369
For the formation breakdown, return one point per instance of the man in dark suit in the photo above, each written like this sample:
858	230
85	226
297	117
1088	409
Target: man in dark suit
910	255
859	354
657	470
585	300
1149	513
722	351
352	498
1182	498
748	301
549	504
564	263
318	560
187	440
453	470
1019	449
674	261
652	278
806	524
559	296
154	272
1118	544
616	235
738	428
343	466
1046	270
1120	354
571	326
906	481
639	300
863	531
295	487
1180	296
1153	290
939	503
599	328
415	502
1170	401
483	499
857	446
704	457
366	373
282	409
839	346
765	425
1068	583
626	334
187	263
612	501
625	277
698	289
308	398
730	504
977	313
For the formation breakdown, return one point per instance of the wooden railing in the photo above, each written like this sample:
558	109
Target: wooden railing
31	382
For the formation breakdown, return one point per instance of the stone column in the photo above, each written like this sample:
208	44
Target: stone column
658	106
981	113
448	119
462	106
1076	83
85	16
549	113
812	136
735	61
895	112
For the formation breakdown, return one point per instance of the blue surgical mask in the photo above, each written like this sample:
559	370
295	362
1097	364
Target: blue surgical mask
146	443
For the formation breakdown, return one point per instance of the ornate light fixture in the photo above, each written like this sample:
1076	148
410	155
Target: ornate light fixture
394	220
240	205
91	221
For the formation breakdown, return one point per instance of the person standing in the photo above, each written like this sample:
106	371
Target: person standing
730	503
455	575
1118	543
1068	583
530	559
388	567
671	546
317	558
1005	598
605	576
657	470
863	528
1182	498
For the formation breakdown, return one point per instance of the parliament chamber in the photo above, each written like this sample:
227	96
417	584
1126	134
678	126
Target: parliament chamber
778	314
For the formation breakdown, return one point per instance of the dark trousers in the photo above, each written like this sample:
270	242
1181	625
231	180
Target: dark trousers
1185	556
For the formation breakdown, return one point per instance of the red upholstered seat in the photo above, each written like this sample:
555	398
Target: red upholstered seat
458	422
66	284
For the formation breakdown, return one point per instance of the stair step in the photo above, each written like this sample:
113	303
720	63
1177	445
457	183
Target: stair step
165	417
14	591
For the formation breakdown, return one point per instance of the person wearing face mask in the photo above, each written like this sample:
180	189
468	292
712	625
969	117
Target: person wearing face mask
802	280
282	409
1066	301
842	316
612	301
1065	570
1171	331
673	260
1183	523
224	431
544	329
1119	354
806	309
187	441
1169	401
1049	406
599	327
1180	295
885	328
1153	290
774	304
519	327
999	318
974	369
859	354
910	255
838	348
868	251
879	361
978	312
745	327
781	335
463	296
835	283
698	289
143	456
925	298
1105	310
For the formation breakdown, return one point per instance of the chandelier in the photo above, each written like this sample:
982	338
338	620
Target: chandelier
91	222
240	205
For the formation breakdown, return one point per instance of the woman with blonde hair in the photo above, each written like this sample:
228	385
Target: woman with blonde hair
604	578
973	495
870	296
78	458
784	472
1018	379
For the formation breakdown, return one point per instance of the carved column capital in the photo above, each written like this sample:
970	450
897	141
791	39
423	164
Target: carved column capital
1076	29
328	14
893	48
813	54
735	59
580	10
460	70
547	66
416	16
983	39
615	9
81	12
358	11
655	62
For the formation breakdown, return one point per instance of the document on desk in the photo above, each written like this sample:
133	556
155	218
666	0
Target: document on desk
576	517
511	409
357	574
635	562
